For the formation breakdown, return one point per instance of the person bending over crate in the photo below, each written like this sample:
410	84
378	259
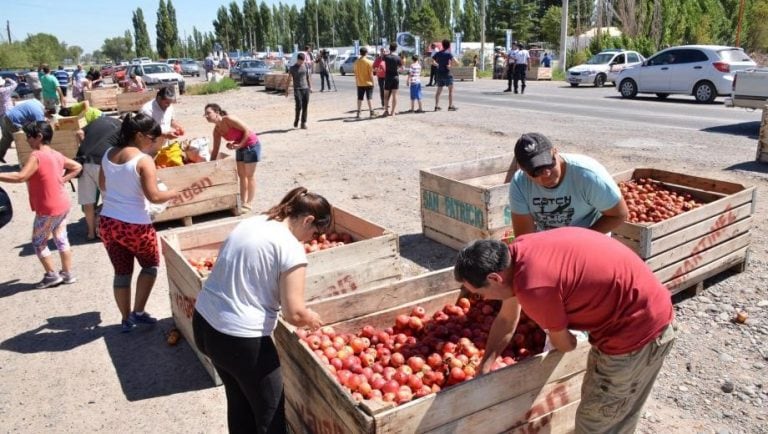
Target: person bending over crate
260	272
576	278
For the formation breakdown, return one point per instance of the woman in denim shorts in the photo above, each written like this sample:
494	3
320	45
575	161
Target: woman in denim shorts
247	148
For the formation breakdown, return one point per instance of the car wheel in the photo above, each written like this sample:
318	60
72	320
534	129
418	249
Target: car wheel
628	88
662	95
574	84
705	92
343	73
600	80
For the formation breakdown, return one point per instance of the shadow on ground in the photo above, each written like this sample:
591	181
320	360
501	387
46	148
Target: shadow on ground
744	129
146	366
425	252
750	166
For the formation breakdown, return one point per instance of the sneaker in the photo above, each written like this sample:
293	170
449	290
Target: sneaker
452	108
127	326
144	318
507	90
358	115
437	108
303	126
50	279
419	111
67	277
296	124
373	115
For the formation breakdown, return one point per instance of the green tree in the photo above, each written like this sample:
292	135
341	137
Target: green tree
237	23
74	52
163	33
14	55
173	31
266	23
141	35
116	48
222	26
43	48
550	25
426	24
469	21
252	23
757	36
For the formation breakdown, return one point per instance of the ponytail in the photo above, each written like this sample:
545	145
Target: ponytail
134	124
300	202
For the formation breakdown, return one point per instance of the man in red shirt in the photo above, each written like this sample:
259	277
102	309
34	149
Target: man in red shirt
579	279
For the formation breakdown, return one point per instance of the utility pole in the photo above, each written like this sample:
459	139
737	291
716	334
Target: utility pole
738	25
8	29
563	36
317	26
482	35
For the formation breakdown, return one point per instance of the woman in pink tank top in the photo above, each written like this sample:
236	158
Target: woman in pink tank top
46	173
247	148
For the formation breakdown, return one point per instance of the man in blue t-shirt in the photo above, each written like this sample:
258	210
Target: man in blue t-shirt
19	115
444	60
555	190
63	78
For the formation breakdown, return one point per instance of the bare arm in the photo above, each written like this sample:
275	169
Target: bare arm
23	175
288	83
72	168
562	340
292	299
148	175
523	224
502	330
611	218
216	143
61	96
102	180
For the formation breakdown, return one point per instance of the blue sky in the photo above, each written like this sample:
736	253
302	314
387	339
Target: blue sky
87	24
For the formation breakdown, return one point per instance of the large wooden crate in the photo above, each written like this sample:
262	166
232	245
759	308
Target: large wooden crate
133	101
464	73
762	140
72	123
461	202
539	394
103	98
373	259
205	188
538	73
686	249
64	141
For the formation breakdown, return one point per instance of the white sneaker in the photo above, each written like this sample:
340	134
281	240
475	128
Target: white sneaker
67	277
50	279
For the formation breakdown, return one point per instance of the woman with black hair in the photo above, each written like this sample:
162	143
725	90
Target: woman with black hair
128	181
46	172
260	271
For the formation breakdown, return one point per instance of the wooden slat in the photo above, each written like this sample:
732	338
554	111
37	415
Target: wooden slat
532	410
473	168
443	239
205	234
702	258
447	188
706	184
355	277
133	101
64	141
452	227
197	208
702	273
72	123
219	171
559	421
339	257
358	227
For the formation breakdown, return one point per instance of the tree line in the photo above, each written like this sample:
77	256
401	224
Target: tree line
247	26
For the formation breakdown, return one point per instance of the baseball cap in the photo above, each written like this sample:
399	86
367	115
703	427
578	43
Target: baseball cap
533	151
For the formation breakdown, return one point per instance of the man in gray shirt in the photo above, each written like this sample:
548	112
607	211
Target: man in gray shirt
302	87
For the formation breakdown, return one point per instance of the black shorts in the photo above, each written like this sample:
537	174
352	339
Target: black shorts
391	83
364	91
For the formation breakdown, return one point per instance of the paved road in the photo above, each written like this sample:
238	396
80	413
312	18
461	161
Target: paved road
595	105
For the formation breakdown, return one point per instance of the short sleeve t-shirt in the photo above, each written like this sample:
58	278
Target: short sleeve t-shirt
162	117
586	189
363	72
392	62
47	195
580	279
443	59
100	135
414	72
241	296
299	76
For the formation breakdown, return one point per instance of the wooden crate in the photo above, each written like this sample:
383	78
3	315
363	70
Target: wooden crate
64	141
685	250
538	73
103	98
133	101
205	188
373	259
461	202
464	73
762	140
72	123
539	394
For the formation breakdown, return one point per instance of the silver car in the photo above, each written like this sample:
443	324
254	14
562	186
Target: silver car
704	71
190	67
249	71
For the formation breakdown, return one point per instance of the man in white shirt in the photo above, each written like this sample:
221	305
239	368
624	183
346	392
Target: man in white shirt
522	58
510	67
161	110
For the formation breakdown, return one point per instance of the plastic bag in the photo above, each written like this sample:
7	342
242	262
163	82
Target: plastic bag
198	150
157	208
170	155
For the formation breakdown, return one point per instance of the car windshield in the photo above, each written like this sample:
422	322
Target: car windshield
156	69
600	59
351	59
253	64
734	55
187	61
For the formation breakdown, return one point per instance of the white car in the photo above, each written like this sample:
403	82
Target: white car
704	71
157	75
602	67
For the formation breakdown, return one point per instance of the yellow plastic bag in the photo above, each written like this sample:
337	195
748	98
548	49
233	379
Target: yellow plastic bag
170	155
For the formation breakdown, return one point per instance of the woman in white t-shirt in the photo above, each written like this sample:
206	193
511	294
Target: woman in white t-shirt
260	271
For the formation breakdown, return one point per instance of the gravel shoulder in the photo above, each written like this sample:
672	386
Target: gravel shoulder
66	368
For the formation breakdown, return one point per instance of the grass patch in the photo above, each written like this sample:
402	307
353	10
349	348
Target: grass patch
558	74
208	88
488	73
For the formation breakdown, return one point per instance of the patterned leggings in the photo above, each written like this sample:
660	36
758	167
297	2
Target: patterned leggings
125	241
45	225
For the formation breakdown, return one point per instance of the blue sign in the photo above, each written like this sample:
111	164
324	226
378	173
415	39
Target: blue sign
357	46
508	42
417	40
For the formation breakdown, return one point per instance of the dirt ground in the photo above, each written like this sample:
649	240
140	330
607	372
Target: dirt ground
64	366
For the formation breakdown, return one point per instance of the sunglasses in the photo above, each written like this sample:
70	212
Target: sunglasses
539	171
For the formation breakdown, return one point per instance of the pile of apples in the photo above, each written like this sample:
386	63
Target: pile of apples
419	354
327	241
649	201
203	264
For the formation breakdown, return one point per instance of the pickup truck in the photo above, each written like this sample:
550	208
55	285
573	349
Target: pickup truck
749	89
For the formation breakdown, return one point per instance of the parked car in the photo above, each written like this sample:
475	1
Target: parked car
750	89
141	60
107	70
171	61
704	71
190	67
603	67
22	90
157	75
118	74
249	71
349	65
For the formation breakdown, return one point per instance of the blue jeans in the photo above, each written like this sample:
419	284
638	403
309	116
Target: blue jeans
251	154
